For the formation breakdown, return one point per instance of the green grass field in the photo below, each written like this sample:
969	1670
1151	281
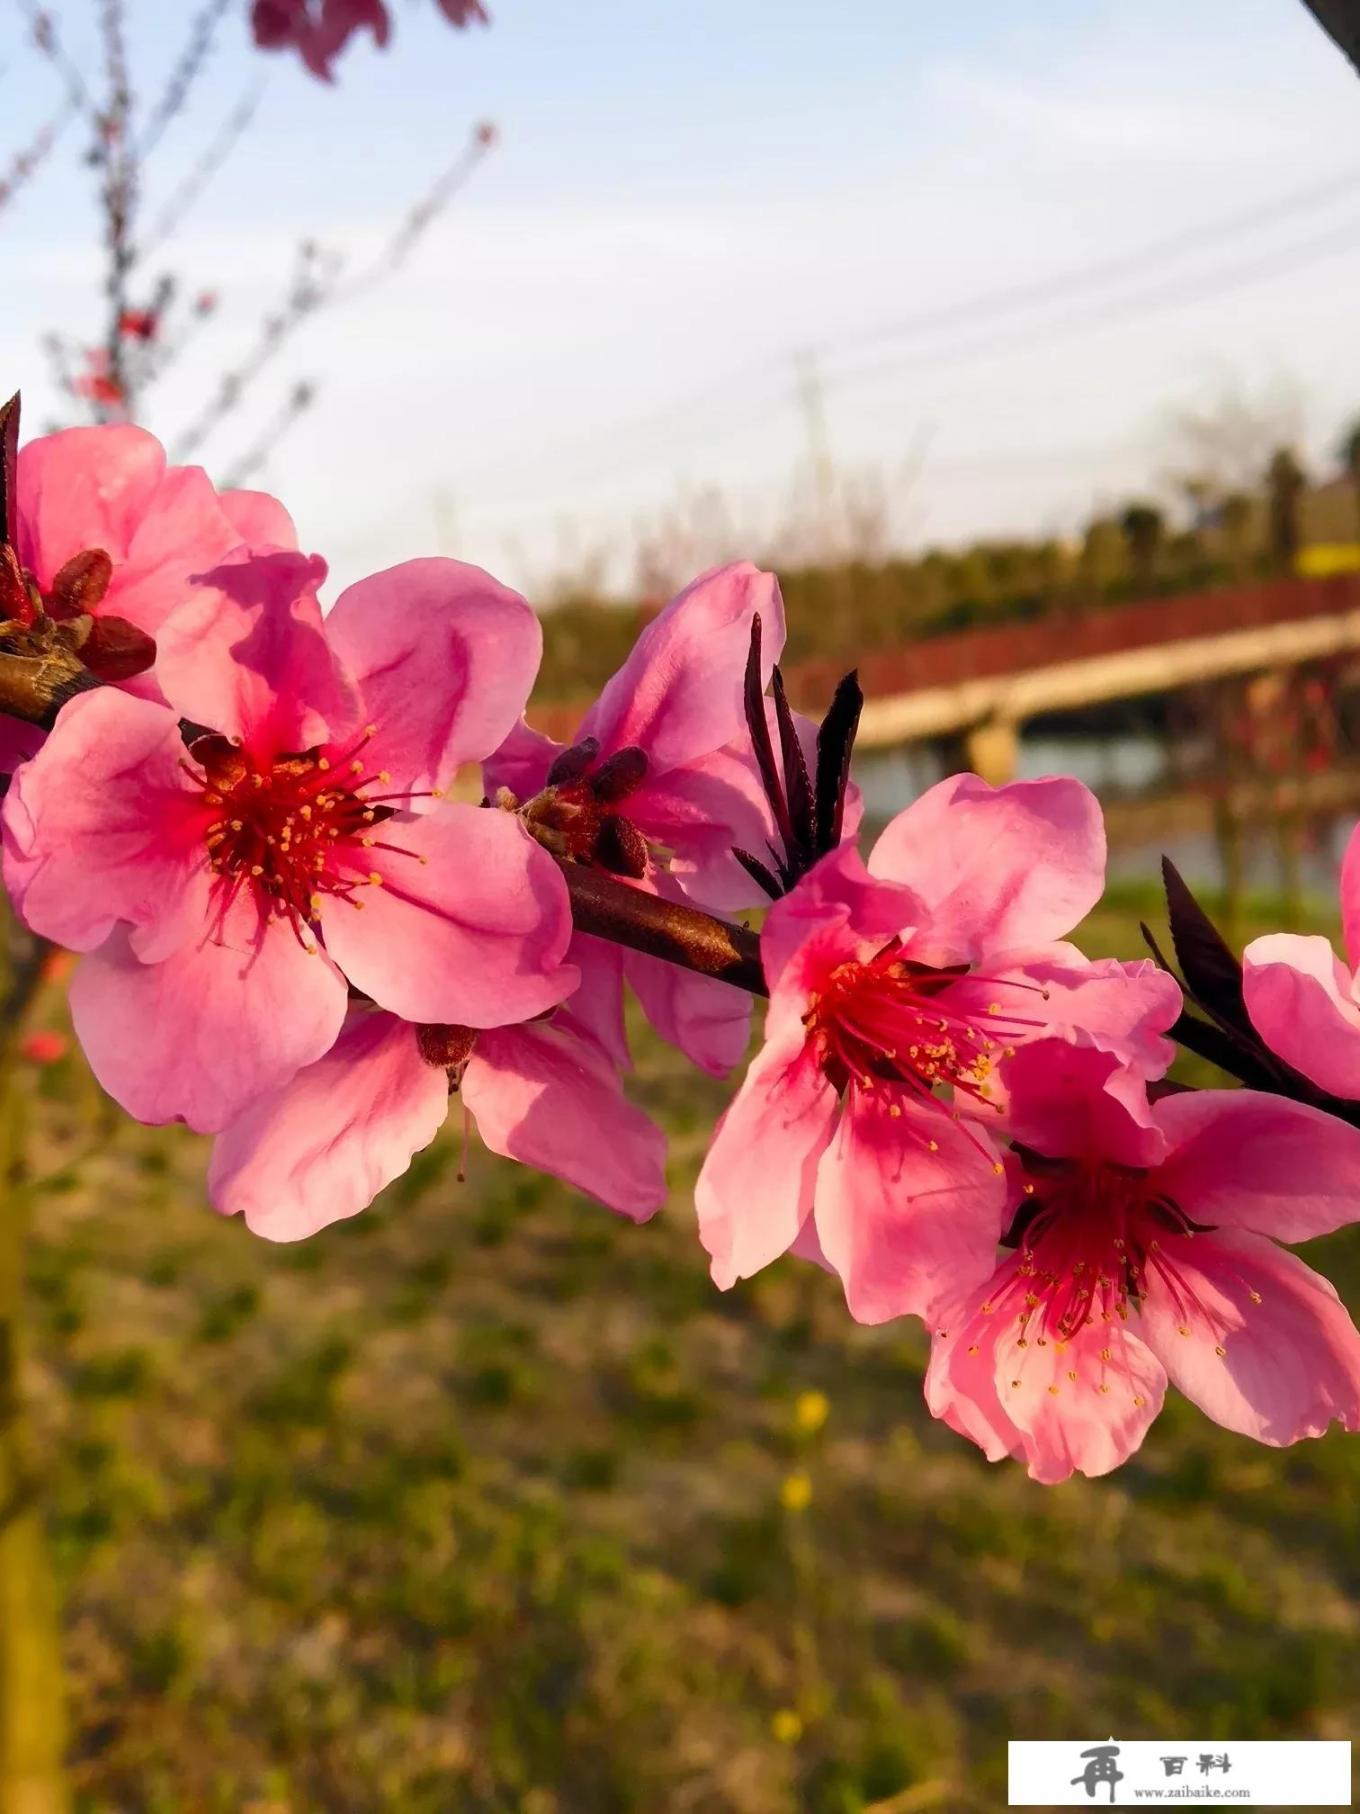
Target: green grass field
488	1501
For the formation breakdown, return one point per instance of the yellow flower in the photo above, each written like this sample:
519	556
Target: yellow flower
786	1726
810	1411
796	1493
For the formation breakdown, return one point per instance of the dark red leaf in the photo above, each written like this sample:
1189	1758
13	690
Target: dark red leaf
79	585
572	763
9	455
1213	976
763	877
798	787
835	746
116	650
758	726
621	847
619	775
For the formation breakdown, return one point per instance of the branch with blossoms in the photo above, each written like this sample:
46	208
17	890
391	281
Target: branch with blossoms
300	935
151	314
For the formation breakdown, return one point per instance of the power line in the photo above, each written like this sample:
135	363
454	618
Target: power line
717	395
1225	280
1189	241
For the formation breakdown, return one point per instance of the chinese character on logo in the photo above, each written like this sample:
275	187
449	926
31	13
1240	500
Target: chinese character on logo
1173	1765
1101	1769
1208	1762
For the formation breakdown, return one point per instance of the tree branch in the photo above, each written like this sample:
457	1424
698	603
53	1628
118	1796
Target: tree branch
674	932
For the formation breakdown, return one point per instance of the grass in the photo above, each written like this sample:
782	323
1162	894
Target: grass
488	1501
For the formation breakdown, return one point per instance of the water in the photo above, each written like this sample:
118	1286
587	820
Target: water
1129	766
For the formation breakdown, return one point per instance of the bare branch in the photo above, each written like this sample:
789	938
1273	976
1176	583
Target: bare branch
24	164
298	401
313	281
119	192
191	64
45	40
418	220
196	179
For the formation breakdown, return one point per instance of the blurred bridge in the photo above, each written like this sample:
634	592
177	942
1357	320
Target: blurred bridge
980	686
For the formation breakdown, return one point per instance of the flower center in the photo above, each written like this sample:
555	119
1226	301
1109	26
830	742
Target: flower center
575	813
292	831
1090	1243
900	1024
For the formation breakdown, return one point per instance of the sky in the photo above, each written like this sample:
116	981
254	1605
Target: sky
963	267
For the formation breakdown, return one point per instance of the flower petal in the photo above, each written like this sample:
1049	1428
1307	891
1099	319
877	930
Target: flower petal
84	488
259	520
680	695
597	1001
1073	1102
709	1021
469	925
99	826
18	741
1077	1406
837	907
999	867
1350	897
320	1148
1291	1354
546	1095
521	763
443	656
908	1207
756	1186
1301	1001
198	1036
1246	1159
246	655
1115	1007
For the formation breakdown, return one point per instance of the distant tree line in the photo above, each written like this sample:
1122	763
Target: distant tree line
842	609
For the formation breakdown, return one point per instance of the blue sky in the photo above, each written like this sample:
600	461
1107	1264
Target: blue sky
598	344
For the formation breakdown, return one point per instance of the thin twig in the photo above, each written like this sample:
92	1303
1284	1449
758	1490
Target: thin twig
297	403
119	192
191	64
196	179
45	39
24	164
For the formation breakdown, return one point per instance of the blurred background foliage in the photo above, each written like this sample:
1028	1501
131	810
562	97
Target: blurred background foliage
1210	525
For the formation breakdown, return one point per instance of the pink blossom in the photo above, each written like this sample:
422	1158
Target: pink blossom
887	986
1304	1002
663	761
232	891
98	383
322	1146
108	492
320	29
43	1047
1143	1251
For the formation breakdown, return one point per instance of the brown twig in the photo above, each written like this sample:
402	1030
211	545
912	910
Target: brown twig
191	63
119	191
24	164
218	149
675	933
